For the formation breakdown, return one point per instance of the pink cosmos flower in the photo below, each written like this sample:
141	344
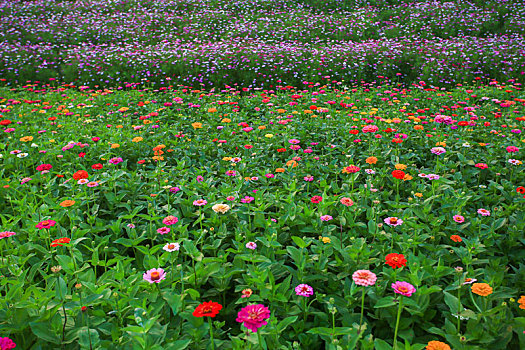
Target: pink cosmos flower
304	290
163	230
45	224
154	275
364	278
483	212
403	288
393	221
253	316
6	234
458	218
200	202
170	220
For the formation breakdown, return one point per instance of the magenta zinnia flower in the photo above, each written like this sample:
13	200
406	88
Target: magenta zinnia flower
458	218
304	290
45	224
154	275
170	220
364	278
403	288
326	218
163	230
483	212
6	343
253	316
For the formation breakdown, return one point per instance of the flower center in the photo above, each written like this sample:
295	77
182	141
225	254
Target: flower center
403	289
393	220
207	309
155	275
171	246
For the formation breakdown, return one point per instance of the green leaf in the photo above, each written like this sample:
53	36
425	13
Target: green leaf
452	302
385	302
299	241
380	344
88	338
285	323
43	331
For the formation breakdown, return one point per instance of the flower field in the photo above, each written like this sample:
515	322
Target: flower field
261	43
276	219
259	174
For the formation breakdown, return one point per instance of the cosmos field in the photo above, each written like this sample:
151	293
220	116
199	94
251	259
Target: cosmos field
251	207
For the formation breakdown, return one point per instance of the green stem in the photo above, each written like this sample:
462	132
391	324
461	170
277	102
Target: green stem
211	333
259	339
362	309
459	307
399	310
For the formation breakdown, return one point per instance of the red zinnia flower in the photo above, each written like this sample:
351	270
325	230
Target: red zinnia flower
97	166
57	242
81	174
395	260
281	150
520	190
316	199
210	309
398	174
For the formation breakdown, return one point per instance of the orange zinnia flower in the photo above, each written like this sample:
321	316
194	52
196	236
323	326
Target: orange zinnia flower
437	345
371	160
67	203
291	163
482	289
521	301
279	170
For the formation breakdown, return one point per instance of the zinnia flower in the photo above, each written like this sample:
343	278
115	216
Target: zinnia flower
455	238
200	202
253	316
395	260
458	218
251	245
6	234
171	247
209	309
316	199
58	242
398	174
246	293
170	220
81	174
347	201
326	218
482	289
163	230
304	290
154	275
364	278
393	221
483	212
437	345
45	224
6	343
403	288
221	208
352	169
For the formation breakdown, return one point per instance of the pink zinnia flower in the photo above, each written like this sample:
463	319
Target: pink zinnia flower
230	198
316	199
403	288
163	230
200	202
364	278
116	160
154	275
512	149
438	150
326	218
247	199
170	220
458	218
393	221
253	316
171	247
483	212
45	224
347	201
25	179
309	178
481	165
6	234
304	290
251	245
